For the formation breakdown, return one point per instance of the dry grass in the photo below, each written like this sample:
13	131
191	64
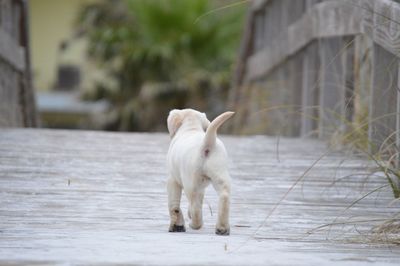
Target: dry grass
387	232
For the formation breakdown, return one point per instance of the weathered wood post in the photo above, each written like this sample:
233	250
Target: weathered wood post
310	90
398	124
383	101
332	86
381	25
17	105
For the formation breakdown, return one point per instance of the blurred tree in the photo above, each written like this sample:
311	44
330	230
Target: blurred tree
167	43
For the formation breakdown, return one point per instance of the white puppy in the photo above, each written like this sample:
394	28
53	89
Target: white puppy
195	158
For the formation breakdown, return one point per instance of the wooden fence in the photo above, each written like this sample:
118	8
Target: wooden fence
317	68
17	106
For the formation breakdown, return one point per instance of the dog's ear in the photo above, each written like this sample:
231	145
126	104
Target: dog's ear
174	121
204	121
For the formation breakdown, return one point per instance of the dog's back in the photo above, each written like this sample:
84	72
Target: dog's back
198	151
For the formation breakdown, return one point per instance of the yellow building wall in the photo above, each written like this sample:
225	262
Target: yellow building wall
51	23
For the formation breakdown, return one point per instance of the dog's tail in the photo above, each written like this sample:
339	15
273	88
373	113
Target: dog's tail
211	132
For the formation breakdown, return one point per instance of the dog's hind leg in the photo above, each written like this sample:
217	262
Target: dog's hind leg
195	209
174	200
223	188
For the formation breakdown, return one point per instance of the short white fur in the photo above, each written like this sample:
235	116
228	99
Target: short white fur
196	158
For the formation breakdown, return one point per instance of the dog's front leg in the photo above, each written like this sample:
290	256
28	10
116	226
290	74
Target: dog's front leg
174	200
222	186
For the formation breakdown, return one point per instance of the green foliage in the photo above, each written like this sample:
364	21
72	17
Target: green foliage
159	41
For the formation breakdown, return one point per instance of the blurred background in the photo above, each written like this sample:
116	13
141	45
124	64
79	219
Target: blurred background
121	65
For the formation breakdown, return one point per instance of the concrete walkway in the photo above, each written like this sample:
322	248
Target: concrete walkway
79	197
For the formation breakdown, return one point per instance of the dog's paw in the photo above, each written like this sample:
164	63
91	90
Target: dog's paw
222	231
195	226
177	228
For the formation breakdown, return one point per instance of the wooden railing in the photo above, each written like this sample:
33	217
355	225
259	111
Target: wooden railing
317	68
17	106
